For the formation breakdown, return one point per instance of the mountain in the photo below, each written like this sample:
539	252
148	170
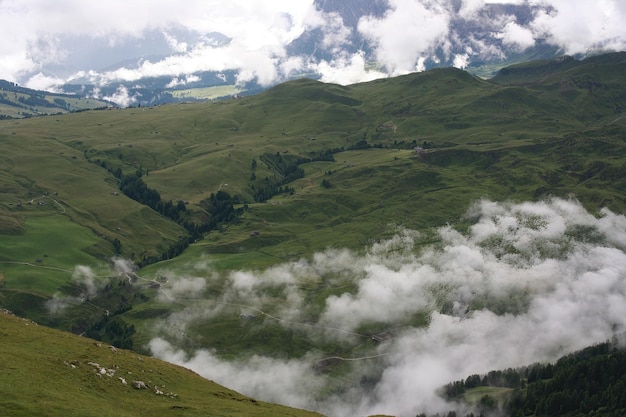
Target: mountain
473	40
21	102
314	228
468	35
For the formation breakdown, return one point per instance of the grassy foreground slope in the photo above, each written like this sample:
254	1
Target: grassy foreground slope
46	372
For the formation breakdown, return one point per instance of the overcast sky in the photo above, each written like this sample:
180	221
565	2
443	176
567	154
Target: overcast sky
43	42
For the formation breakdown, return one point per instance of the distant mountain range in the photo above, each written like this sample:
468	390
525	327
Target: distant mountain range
471	40
21	102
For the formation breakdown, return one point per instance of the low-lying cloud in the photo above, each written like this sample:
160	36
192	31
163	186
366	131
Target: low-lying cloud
89	283
524	283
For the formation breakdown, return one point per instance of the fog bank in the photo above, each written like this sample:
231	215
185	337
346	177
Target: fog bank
523	283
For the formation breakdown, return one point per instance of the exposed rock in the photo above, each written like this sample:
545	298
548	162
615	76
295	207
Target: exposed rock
140	385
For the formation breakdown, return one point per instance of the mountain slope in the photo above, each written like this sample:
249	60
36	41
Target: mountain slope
589	382
49	373
500	140
21	102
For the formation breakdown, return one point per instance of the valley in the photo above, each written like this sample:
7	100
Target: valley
317	236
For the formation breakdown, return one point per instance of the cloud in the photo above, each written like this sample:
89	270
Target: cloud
121	97
461	61
40	81
45	44
188	288
526	282
88	285
36	31
174	44
291	379
347	70
408	31
578	26
517	36
176	82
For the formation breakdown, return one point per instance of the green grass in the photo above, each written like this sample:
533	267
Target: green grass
38	259
18	102
473	396
49	373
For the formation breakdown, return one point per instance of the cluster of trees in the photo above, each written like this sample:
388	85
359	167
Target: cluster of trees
134	187
591	382
363	144
323	155
285	168
33	100
586	383
114	299
451	414
268	187
219	209
113	330
509	378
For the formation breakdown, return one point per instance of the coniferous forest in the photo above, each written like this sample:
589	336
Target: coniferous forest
591	382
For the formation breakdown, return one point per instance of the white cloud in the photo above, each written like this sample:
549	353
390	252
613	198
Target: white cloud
517	36
335	32
579	25
188	288
347	70
292	379
408	31
470	8
40	81
174	44
121	97
177	82
46	42
258	30
528	282
461	61
88	282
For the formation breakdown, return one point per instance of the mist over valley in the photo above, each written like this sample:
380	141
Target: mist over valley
350	250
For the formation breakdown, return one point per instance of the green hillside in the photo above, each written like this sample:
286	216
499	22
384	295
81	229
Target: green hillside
202	190
358	170
19	102
50	373
360	139
589	382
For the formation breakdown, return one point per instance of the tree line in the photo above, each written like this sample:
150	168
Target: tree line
591	382
219	209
